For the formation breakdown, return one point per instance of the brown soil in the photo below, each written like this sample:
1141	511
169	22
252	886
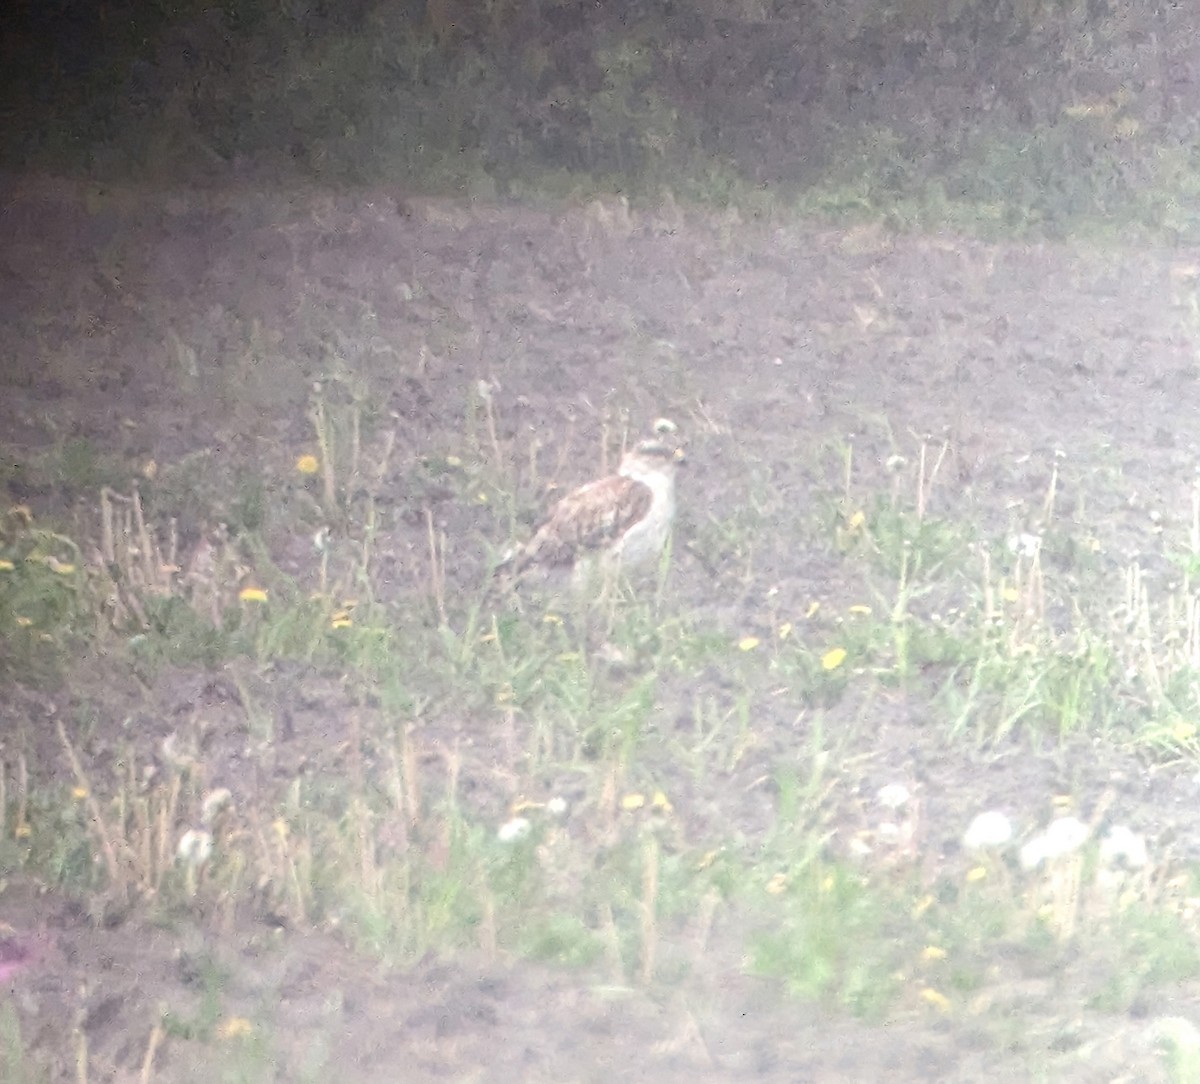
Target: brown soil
132	321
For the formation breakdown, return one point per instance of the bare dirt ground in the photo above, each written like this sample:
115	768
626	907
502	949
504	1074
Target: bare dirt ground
144	324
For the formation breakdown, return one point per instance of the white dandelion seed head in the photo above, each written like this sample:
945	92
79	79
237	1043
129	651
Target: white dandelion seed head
987	831
1121	846
890	832
174	752
893	795
1033	853
195	848
214	802
514	829
1025	544
1063	837
859	848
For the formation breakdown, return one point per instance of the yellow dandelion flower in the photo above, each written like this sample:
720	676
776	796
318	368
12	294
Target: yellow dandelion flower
308	464
453	461
6	565
632	802
252	594
236	1027
661	802
1183	731
932	953
811	612
785	630
923	905
1010	594
976	874
833	658
280	827
79	793
777	884
748	643
937	1000
1062	801
707	859
857	520
551	619
828	883
860	609
481	498
341	620
22	831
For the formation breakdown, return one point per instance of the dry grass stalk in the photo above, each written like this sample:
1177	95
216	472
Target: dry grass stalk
100	827
157	1034
650	877
437	566
139	563
411	776
22	824
320	422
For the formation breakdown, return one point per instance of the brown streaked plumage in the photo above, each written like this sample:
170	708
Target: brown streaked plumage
622	520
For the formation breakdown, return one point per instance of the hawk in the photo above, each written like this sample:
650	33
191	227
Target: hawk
619	522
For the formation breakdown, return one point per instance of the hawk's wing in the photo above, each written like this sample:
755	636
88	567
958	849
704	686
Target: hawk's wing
587	520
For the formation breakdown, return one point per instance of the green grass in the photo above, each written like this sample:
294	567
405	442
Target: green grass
404	862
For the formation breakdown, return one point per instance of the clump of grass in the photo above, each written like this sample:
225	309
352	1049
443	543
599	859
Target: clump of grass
44	595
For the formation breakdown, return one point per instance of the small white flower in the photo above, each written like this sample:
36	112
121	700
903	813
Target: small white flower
894	463
663	426
893	795
989	830
1124	847
195	848
512	830
557	807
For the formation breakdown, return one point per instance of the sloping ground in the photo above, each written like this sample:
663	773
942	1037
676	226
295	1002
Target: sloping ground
189	328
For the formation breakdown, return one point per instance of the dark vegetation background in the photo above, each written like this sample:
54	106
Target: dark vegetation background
1005	114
